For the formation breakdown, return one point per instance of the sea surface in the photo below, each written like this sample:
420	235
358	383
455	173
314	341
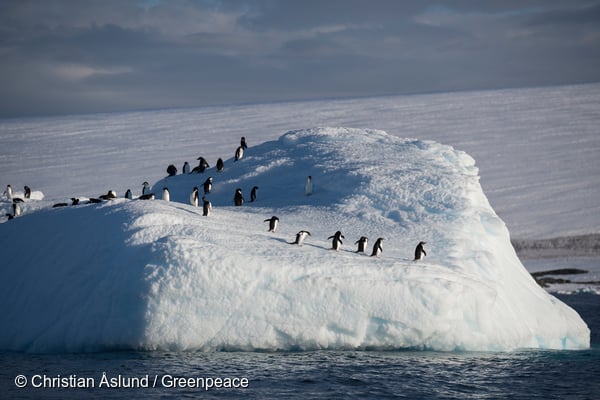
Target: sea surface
414	374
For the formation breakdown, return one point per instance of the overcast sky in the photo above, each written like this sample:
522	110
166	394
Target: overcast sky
74	56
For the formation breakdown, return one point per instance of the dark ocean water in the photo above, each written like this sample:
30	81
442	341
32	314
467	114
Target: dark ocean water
529	374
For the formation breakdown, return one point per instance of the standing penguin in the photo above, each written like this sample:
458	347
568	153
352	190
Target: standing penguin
308	186
194	197
208	185
9	192
186	168
166	196
273	221
362	244
253	194
243	143
239	153
337	241
220	165
238	198
206	206
420	251
300	236
27	192
172	170
128	194
16	210
145	188
377	248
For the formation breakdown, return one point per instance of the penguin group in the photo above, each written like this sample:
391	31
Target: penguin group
336	241
16	201
207	187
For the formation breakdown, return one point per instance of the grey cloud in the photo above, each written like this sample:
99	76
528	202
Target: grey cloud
73	56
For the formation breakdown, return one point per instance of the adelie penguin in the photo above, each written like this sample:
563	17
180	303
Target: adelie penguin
108	196
145	188
336	244
128	194
16	211
172	170
166	195
239	153
420	251
362	244
273	222
207	186
194	197
253	194
206	207
202	165
9	192
238	198
27	191
377	248
220	165
186	168
300	236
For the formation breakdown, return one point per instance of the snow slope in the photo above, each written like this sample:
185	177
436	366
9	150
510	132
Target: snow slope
158	275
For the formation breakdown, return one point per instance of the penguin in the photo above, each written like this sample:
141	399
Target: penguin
377	248
166	196
420	251
93	200
208	185
308	186
194	197
128	194
253	194
74	201
16	210
57	205
147	196
243	143
362	244
238	198
337	241
9	192
220	165
186	168
273	221
27	192
239	153
172	170
108	196
145	188
202	165
206	206
300	236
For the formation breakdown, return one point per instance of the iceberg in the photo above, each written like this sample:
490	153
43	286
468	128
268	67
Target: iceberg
157	275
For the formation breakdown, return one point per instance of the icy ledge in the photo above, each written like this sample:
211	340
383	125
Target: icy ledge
157	275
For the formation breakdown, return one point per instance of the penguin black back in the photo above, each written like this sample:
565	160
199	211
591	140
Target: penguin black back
420	251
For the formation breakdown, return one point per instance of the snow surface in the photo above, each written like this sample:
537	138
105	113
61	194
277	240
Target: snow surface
158	275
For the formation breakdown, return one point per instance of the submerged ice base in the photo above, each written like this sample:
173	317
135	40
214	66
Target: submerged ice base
158	275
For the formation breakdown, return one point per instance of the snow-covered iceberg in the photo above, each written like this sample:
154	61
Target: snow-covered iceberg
133	274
